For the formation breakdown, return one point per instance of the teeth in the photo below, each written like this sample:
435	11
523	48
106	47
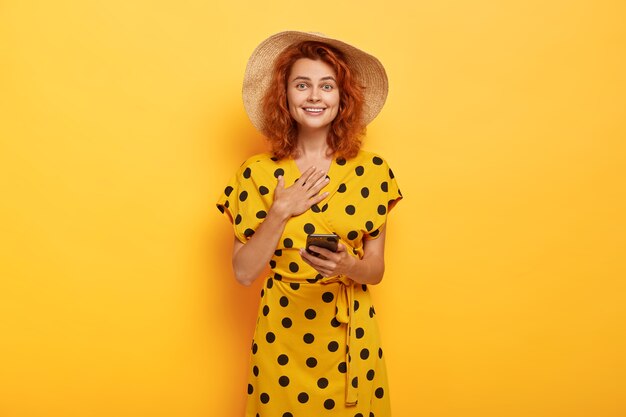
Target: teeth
314	110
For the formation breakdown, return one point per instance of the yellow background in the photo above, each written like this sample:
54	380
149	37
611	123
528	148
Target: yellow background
121	121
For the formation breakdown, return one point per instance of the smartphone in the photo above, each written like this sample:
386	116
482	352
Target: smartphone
326	241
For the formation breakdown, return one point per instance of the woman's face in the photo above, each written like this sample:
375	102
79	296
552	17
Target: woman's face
312	94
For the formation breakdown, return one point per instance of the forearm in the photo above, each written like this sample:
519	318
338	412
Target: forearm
369	270
251	258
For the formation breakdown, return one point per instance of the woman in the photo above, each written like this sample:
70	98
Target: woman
316	348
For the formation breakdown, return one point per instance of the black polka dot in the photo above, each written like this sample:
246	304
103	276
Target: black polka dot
255	348
322	382
391	173
261	214
243	195
380	353
266	310
358	415
265	398
333	346
364	287
278	252
334	322
284	301
250	389
375	233
369	225
324	207
278	277
283	381
286	322
370	375
270	283
263	190
372	312
379	392
283	359
329	404
228	190
303	397
270	337
328	297
365	192
384	186
377	161
355	382
288	243
350	209
287	414
227	203
343	367
360	333
238	219
248	232
309	228
311	362
359	170
255	370
356	305
279	172
342	188
382	209
315	208
341	161
365	353
308	338
353	234
247	172
272	264
221	208
294	285
293	267
310	314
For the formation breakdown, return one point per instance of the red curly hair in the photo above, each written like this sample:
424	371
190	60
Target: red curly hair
346	130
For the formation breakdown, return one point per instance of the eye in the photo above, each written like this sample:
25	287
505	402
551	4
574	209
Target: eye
301	86
328	87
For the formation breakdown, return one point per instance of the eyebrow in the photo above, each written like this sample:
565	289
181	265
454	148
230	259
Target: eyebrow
300	77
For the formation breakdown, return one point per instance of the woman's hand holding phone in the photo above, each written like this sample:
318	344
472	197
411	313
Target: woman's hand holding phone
326	261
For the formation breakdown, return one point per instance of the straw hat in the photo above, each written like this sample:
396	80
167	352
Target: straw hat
370	73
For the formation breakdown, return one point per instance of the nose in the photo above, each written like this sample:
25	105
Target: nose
313	95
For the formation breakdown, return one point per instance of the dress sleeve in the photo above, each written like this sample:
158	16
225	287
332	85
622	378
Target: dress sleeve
243	202
387	196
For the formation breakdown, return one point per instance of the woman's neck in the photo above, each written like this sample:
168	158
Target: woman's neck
313	144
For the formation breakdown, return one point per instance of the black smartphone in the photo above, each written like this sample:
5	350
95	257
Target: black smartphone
327	241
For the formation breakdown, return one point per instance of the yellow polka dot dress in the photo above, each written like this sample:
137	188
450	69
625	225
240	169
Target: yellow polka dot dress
316	349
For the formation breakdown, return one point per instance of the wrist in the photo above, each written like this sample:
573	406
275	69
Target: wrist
351	267
279	213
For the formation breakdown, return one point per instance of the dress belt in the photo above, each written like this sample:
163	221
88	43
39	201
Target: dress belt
345	315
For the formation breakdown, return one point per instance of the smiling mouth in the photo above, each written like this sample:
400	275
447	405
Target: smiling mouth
313	110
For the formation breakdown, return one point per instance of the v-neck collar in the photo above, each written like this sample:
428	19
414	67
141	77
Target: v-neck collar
299	173
332	185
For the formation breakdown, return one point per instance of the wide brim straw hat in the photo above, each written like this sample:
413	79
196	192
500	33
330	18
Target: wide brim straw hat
369	71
